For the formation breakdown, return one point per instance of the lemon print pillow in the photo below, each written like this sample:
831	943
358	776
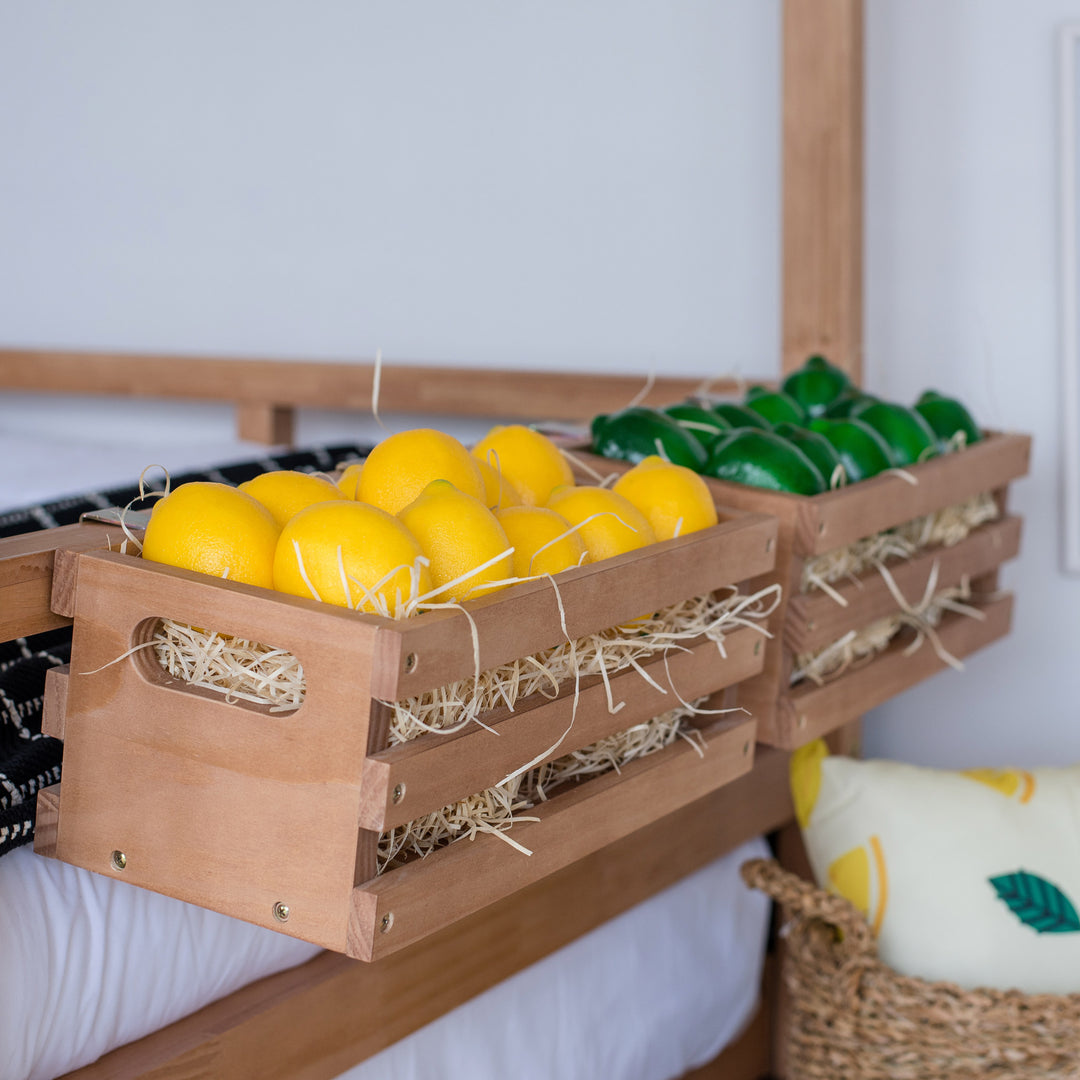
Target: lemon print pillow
969	877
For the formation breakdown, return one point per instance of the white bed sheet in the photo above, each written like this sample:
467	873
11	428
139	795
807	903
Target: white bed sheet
90	963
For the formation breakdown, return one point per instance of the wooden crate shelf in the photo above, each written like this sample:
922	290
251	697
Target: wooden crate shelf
789	716
242	810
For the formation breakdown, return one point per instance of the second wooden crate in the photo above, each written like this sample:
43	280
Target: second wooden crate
809	620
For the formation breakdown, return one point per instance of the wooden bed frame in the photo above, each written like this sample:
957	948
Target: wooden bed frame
315	1021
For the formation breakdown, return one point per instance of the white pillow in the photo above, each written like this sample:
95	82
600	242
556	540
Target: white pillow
968	877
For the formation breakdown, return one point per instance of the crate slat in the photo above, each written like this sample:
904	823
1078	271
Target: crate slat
888	500
428	771
397	909
525	619
815	619
810	711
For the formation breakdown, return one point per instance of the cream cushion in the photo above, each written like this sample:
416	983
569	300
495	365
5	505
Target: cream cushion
968	877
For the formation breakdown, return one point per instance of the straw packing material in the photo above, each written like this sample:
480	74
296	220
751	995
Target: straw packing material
618	750
500	807
240	669
859	646
449	708
945	527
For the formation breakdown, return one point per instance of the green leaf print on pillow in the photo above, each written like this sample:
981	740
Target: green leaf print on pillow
1037	903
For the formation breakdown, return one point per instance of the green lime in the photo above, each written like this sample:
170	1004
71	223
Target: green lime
765	460
911	438
739	416
947	416
816	385
637	433
863	452
775	406
847	402
705	425
816	447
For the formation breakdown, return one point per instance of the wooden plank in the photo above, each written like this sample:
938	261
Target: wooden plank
815	619
24	610
888	500
395	910
425	774
822	182
315	1021
26	573
264	422
54	706
508	393
435	649
810	711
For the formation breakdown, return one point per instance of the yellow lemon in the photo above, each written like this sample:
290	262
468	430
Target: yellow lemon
458	533
859	875
1007	781
616	526
532	463
349	478
674	498
214	529
804	771
350	554
401	466
541	540
499	493
286	492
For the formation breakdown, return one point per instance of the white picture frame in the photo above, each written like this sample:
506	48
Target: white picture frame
1069	146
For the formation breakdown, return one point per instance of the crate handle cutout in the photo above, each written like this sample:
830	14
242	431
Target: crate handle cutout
251	675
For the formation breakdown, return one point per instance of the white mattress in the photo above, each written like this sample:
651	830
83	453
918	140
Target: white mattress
649	995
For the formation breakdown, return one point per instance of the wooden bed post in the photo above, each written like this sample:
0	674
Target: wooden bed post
821	306
822	182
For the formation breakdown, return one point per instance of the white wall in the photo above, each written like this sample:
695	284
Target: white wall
547	184
962	293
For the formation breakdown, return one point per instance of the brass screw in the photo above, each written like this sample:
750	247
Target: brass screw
399	793
410	662
281	911
387	922
119	860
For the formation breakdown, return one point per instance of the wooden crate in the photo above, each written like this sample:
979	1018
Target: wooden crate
250	813
790	716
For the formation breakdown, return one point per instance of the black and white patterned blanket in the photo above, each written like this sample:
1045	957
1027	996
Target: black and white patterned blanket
29	760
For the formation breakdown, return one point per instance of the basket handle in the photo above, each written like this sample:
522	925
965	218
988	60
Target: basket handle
807	902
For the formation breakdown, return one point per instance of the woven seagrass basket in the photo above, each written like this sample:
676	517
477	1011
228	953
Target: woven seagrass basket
854	1018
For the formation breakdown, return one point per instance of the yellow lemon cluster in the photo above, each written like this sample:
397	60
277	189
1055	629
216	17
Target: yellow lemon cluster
423	520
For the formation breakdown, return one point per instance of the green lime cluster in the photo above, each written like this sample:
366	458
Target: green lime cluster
817	431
